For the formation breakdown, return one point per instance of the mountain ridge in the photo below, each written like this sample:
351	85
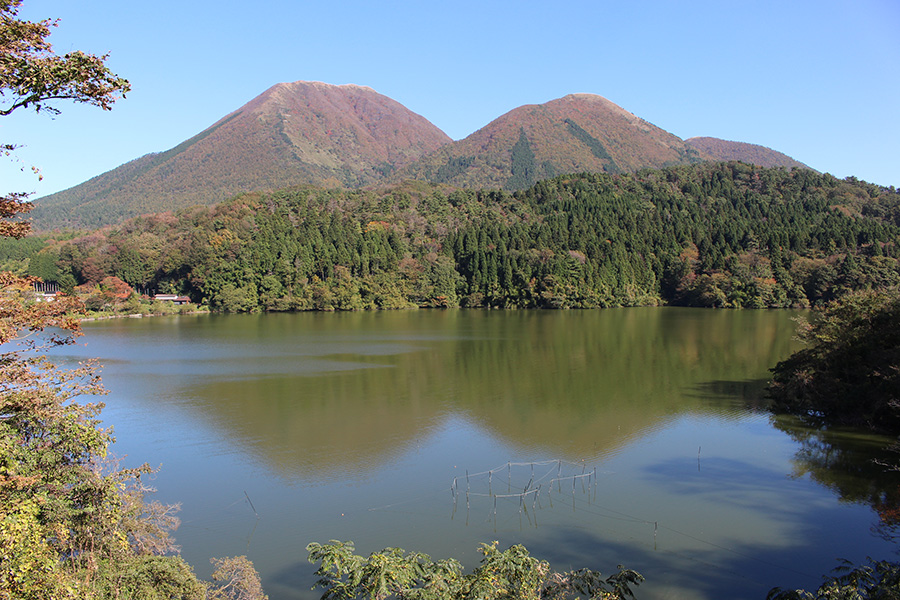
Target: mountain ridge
719	150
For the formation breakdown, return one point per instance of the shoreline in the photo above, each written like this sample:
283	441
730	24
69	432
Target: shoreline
142	315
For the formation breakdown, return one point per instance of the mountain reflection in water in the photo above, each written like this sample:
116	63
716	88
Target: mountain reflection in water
355	425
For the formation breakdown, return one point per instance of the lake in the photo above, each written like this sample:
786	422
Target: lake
595	438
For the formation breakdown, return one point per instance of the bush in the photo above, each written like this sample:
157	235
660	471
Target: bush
874	581
511	574
849	374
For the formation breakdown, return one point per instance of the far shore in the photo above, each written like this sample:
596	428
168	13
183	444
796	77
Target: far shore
142	315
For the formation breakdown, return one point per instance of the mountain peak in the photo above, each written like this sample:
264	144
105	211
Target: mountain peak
294	87
578	132
291	134
599	101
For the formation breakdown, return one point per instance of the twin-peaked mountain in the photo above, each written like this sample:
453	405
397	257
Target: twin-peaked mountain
310	133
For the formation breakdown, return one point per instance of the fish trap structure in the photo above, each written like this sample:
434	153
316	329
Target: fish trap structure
524	483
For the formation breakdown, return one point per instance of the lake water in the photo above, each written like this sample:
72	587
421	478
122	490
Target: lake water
632	436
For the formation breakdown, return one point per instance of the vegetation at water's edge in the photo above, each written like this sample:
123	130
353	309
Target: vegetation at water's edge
73	524
849	373
877	580
512	574
712	235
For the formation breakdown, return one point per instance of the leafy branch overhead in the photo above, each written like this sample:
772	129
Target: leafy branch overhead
31	75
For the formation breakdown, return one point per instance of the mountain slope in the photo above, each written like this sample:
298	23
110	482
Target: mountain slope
579	132
710	148
293	133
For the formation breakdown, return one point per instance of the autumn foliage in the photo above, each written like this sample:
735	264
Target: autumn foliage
73	524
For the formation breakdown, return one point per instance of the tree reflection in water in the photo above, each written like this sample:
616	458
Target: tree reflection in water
858	466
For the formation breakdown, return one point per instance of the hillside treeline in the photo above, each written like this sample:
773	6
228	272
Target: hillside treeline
710	234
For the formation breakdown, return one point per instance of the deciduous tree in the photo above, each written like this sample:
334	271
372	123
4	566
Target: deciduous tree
72	523
33	76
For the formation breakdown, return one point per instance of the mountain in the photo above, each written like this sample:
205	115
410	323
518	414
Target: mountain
709	148
293	133
349	136
579	132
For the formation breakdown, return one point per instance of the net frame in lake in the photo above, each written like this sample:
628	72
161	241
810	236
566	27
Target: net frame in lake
544	476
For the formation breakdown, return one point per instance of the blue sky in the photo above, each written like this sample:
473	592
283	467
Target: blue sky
819	81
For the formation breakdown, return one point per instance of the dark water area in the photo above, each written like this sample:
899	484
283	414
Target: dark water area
640	436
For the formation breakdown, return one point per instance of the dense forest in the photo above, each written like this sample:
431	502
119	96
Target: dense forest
709	234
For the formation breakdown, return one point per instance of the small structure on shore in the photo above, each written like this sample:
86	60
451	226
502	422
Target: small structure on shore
173	298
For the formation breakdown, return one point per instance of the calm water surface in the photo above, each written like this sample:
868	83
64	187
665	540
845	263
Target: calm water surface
639	435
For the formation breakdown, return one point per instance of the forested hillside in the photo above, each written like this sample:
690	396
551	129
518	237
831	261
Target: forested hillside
710	234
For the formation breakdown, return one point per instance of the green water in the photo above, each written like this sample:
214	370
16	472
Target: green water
640	435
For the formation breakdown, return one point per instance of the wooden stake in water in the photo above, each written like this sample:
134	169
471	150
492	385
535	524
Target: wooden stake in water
467	490
251	504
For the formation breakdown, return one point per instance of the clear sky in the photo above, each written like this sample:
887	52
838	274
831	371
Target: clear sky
818	80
